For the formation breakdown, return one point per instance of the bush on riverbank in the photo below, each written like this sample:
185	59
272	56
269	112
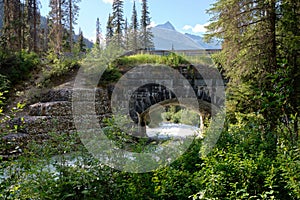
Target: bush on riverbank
239	167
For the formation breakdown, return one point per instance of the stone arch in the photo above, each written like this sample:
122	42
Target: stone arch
203	112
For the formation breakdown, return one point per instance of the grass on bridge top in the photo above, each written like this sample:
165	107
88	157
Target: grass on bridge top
172	60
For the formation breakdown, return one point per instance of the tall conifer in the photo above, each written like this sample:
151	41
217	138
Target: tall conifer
118	21
146	34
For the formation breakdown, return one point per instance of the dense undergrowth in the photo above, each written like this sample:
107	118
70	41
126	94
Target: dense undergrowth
16	67
58	67
37	72
241	166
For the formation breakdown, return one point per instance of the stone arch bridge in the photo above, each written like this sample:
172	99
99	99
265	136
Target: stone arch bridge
146	89
53	110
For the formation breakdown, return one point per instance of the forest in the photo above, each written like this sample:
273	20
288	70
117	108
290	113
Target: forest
257	155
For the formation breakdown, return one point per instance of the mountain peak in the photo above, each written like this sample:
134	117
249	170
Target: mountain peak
166	25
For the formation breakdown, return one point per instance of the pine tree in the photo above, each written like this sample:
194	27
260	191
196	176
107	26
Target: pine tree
109	30
133	29
288	52
118	21
21	22
80	42
146	34
56	28
250	52
98	33
71	11
32	30
12	26
45	36
126	35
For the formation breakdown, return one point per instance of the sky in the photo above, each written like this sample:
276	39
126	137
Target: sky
187	16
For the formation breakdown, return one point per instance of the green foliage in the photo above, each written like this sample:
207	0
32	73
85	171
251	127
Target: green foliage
189	117
260	57
17	66
45	171
2	98
4	83
239	167
113	132
111	63
57	67
172	60
110	75
9	146
172	183
146	35
289	159
186	116
80	45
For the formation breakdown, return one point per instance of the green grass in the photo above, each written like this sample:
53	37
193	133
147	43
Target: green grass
172	60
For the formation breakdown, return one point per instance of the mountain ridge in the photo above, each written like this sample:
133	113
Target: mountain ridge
166	25
166	37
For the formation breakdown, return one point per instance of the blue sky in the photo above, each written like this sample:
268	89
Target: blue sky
187	16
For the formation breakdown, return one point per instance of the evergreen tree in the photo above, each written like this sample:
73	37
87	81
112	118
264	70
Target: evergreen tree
133	29
250	52
118	21
146	34
288	33
71	11
56	27
98	33
21	25
109	30
12	25
44	36
62	18
31	26
80	42
126	34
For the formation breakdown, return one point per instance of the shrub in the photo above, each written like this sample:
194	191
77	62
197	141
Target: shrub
110	75
58	67
241	167
4	83
18	66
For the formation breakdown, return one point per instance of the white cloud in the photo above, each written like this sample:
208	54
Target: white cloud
187	27
198	28
108	1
